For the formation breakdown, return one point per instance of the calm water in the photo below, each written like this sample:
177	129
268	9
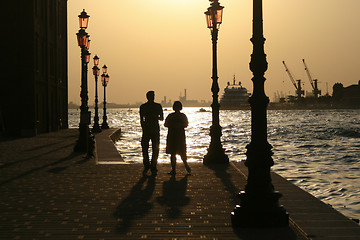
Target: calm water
318	150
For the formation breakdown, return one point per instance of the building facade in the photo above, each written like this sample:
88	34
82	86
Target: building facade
33	95
347	96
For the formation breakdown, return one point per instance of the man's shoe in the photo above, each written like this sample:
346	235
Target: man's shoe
172	172
188	169
154	172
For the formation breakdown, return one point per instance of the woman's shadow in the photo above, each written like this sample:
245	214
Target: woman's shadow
174	196
136	205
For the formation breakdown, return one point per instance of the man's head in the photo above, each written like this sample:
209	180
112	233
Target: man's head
150	95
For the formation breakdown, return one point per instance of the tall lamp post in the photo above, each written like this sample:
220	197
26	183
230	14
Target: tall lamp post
96	72
259	203
216	153
84	44
104	79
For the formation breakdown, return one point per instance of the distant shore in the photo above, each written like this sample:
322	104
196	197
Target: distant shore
271	106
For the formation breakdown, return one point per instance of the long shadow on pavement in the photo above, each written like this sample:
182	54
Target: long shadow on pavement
174	196
35	157
221	172
85	159
282	233
136	205
71	156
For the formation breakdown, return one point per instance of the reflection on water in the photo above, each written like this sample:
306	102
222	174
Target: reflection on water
316	150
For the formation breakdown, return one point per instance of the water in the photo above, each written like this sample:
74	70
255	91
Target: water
318	150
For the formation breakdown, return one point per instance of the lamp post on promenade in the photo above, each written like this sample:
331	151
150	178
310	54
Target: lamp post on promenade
96	72
104	79
84	44
259	203
216	153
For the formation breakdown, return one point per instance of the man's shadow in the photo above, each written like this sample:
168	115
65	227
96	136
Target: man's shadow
174	196
136	205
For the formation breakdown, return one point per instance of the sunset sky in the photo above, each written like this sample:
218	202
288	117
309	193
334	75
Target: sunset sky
165	46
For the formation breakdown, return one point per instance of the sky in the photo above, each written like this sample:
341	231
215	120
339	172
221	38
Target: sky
165	46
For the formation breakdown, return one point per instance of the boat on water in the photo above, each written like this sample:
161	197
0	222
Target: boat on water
202	110
235	97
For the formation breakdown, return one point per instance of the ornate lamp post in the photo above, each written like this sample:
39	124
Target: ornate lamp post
96	72
216	153
83	19
104	79
84	44
259	203
104	68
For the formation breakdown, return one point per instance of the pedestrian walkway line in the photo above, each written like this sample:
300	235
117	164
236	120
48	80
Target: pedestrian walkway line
238	169
105	150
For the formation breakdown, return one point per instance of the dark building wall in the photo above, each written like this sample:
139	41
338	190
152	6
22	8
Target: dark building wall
347	96
34	92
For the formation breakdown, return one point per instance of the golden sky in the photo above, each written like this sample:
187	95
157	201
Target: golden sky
165	46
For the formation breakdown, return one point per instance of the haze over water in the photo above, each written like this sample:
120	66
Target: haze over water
318	150
165	46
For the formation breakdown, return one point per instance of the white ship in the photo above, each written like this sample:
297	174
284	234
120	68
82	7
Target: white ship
234	97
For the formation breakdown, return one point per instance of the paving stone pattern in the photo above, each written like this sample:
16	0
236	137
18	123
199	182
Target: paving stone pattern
49	192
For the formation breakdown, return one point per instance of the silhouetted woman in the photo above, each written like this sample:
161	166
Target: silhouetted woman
176	123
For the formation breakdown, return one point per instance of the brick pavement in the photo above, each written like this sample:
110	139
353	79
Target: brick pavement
49	192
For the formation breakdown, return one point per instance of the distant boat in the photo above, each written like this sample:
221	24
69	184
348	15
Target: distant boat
234	97
202	110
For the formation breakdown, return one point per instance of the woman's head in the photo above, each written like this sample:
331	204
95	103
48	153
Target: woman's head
177	106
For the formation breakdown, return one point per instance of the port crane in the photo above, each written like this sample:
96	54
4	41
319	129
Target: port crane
313	82
297	84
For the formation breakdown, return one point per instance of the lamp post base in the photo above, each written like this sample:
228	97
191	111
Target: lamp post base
96	128
216	153
82	142
217	156
259	210
104	126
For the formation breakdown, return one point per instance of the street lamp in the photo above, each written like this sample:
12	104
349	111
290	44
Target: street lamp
259	203
83	42
88	44
216	153
96	60
104	68
96	73
83	19
87	58
104	79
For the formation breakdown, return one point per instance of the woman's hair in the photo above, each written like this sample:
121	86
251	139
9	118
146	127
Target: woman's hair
177	105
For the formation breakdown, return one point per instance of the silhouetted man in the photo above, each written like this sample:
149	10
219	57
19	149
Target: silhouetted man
150	114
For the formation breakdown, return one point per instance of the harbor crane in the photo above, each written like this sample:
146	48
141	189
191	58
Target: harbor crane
297	84
313	82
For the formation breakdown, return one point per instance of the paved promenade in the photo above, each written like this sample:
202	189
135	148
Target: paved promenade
50	192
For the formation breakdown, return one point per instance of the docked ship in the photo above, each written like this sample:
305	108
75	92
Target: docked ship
235	97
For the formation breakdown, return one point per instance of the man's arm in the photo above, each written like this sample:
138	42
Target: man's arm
141	116
161	114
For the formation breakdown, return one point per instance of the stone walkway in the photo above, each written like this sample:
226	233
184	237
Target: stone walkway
50	192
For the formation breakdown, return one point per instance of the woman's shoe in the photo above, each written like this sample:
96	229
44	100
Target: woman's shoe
153	171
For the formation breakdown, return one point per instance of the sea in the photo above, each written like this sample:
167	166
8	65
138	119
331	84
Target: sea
317	150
